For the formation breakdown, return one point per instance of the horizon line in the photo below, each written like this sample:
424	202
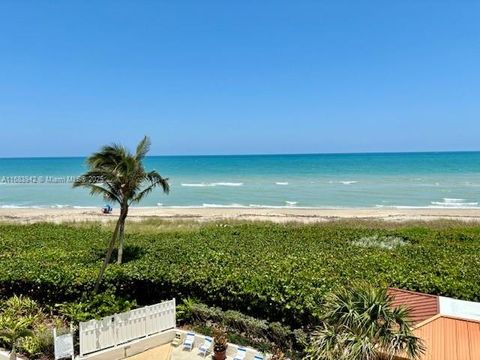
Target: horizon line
260	154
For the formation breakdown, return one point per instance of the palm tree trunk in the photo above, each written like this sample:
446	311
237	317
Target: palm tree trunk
121	239
111	246
13	353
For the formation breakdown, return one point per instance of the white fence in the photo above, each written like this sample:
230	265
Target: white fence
117	329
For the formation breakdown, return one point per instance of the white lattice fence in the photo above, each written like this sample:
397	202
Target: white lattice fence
117	329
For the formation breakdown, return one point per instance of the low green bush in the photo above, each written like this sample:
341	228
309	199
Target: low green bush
241	329
94	307
39	344
277	272
26	327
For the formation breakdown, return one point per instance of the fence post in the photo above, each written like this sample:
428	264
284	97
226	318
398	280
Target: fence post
73	338
114	327
145	320
174	313
80	335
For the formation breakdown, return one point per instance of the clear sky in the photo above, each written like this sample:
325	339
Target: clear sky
229	77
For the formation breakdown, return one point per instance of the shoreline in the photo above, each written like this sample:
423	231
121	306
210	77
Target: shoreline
280	215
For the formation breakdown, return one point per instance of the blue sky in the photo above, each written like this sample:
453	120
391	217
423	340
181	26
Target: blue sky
229	77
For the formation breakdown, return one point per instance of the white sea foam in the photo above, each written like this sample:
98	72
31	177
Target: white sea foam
60	206
288	206
228	184
223	206
194	185
344	182
283	183
291	203
455	203
212	184
12	206
447	203
55	206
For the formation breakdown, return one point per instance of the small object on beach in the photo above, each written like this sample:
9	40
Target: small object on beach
107	209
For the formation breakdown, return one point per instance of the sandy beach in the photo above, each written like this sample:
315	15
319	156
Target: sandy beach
218	214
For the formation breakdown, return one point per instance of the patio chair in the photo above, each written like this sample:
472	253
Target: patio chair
205	347
177	340
189	340
240	355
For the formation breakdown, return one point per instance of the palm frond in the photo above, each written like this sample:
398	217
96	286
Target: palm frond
108	156
116	173
154	179
106	193
143	148
367	327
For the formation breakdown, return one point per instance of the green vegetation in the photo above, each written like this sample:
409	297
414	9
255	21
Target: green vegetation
95	306
119	176
361	324
280	273
26	327
241	329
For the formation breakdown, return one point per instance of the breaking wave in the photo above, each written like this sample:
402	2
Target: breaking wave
454	203
212	184
447	203
344	182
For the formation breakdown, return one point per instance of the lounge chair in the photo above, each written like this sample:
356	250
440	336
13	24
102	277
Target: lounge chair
189	340
241	352
258	357
205	347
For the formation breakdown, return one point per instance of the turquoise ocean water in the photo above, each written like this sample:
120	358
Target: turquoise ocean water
429	180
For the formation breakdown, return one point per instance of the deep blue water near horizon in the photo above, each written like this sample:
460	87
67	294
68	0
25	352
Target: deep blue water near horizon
435	180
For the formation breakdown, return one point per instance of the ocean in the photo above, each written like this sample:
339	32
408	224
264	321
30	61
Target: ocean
390	180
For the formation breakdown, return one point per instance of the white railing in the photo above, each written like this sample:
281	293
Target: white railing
118	329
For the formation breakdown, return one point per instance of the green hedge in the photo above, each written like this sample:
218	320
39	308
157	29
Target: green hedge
276	272
243	329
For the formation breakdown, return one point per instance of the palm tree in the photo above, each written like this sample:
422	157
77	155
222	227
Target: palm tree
119	176
362	324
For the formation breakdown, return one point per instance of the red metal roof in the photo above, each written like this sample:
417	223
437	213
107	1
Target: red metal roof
449	338
422	306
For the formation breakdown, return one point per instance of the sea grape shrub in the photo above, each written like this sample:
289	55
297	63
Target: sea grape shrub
277	272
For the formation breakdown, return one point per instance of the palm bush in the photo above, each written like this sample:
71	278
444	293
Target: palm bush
22	326
12	330
120	176
362	324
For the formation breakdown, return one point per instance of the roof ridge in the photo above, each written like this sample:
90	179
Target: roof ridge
427	321
452	317
413	292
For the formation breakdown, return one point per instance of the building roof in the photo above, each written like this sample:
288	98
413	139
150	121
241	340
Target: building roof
459	308
450	338
421	306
